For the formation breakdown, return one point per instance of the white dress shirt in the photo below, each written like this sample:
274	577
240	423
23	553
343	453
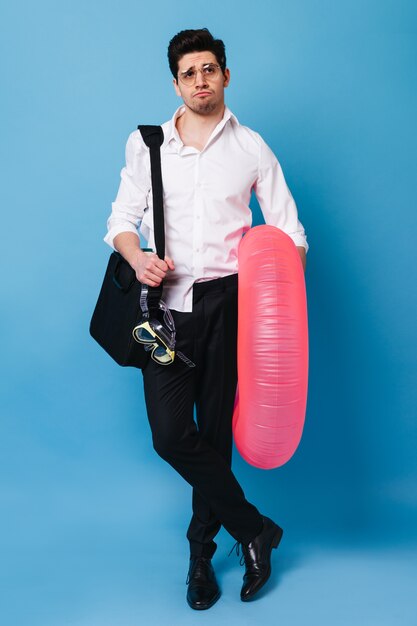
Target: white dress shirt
206	201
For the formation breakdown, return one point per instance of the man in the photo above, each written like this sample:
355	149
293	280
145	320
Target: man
210	164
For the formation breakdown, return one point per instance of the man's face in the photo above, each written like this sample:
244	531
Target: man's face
211	90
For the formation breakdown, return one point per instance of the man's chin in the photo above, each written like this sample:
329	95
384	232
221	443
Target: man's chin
204	108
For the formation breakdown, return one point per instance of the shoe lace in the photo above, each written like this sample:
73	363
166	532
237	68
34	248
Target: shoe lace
239	549
199	563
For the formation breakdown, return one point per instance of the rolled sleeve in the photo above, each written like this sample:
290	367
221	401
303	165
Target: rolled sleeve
132	197
274	197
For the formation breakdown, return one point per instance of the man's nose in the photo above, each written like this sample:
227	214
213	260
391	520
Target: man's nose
200	79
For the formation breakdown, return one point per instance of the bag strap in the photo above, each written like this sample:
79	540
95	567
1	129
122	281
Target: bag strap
153	136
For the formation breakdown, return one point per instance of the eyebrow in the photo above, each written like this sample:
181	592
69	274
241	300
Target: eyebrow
193	67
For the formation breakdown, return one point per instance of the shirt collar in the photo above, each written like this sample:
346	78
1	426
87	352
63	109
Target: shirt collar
172	133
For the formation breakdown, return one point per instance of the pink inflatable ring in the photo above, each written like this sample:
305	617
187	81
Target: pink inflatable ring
272	350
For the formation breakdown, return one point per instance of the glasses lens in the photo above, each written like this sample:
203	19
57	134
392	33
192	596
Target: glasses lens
143	335
161	355
210	70
188	78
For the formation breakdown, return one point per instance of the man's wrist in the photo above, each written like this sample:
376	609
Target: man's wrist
137	256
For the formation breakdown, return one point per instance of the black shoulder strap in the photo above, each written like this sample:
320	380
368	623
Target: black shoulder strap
153	136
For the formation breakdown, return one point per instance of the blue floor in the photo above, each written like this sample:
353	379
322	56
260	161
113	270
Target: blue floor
74	583
74	557
93	523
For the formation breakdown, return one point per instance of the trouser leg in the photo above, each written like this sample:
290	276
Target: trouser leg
215	394
202	456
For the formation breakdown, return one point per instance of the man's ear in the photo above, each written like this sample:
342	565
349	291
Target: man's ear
226	77
177	91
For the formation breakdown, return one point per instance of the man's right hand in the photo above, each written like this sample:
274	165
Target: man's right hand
150	269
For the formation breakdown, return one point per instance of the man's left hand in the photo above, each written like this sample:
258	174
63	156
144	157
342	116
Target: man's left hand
303	255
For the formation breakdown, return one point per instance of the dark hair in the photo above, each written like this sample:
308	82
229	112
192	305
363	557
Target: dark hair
194	41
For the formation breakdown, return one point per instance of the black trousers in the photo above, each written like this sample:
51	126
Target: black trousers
202	453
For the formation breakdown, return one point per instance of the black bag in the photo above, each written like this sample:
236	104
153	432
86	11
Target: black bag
118	309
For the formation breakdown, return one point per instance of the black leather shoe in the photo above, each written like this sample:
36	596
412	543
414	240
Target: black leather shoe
257	558
203	590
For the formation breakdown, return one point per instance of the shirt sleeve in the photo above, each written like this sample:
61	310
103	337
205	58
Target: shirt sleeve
274	197
132	196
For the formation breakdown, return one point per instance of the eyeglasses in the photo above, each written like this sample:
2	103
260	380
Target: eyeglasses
157	333
210	71
146	333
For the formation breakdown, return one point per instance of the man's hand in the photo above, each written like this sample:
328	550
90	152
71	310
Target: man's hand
302	252
150	269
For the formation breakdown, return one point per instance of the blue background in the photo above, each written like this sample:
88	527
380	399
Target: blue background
92	525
